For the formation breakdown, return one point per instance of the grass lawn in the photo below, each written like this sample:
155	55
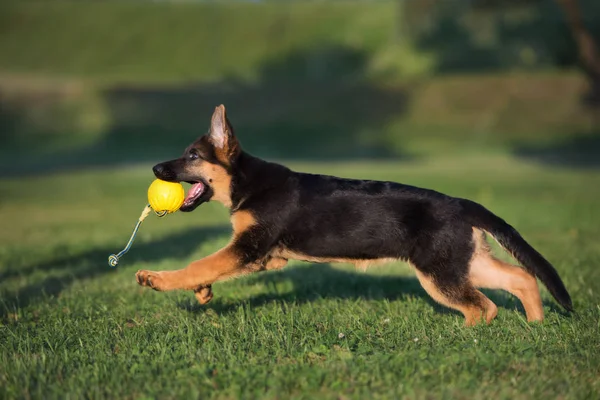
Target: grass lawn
70	325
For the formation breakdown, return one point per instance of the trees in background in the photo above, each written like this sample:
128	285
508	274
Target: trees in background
475	35
586	46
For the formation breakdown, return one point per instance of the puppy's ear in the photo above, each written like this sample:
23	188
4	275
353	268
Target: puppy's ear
222	136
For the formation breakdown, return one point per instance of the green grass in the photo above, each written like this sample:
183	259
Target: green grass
71	327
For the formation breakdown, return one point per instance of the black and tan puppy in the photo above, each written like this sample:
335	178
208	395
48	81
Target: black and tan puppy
278	214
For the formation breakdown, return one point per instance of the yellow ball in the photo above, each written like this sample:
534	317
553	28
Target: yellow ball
165	196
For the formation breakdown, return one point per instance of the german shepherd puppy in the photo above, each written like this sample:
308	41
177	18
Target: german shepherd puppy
278	214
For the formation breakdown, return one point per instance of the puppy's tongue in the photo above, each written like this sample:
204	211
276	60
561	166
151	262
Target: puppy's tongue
195	191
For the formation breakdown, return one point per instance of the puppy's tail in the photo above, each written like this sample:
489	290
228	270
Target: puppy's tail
508	237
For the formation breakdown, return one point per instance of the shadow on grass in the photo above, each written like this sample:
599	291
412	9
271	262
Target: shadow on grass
321	281
64	271
580	151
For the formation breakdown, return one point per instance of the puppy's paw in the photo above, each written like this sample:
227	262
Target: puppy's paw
150	279
204	294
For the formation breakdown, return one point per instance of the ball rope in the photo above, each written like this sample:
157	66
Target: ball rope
113	259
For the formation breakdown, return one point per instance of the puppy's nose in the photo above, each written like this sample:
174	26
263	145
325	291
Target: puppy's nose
159	170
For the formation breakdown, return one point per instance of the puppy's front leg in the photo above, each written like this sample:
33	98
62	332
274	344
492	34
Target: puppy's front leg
204	294
223	264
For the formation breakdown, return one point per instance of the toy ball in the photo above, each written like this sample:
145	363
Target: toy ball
165	196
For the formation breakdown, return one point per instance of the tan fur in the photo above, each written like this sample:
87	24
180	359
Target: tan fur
275	263
242	221
203	294
358	263
474	315
220	181
220	265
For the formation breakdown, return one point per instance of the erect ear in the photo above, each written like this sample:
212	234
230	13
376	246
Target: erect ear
222	136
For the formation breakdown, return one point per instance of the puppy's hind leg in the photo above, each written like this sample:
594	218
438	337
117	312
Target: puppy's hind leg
491	273
486	271
473	304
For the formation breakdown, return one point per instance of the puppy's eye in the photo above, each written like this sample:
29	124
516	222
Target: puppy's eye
193	155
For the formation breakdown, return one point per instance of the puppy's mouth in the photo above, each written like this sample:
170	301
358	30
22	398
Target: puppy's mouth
195	196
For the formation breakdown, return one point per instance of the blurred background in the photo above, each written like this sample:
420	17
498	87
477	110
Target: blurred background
95	83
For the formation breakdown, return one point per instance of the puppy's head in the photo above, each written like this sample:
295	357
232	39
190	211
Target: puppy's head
206	164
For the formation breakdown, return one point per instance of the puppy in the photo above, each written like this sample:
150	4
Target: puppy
278	214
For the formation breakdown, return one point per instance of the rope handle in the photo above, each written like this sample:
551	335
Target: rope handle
113	259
